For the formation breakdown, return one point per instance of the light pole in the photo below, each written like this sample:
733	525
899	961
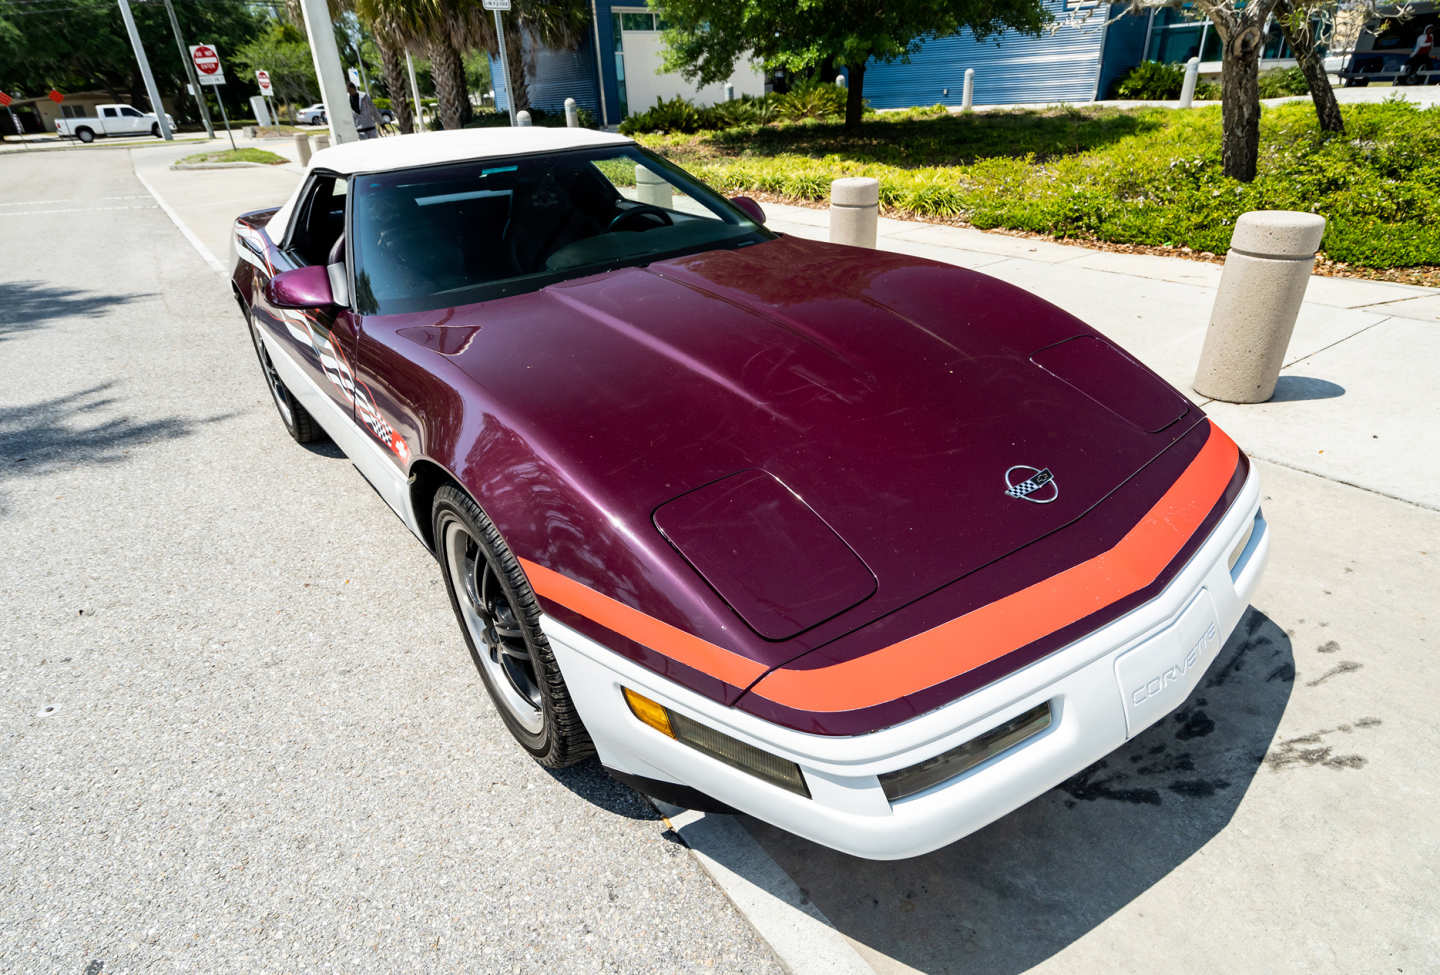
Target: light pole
189	69
328	70
144	62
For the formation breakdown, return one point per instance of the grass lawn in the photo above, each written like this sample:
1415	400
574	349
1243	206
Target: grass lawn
235	155
1148	176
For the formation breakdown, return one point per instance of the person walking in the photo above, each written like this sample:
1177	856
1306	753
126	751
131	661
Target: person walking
1420	56
367	119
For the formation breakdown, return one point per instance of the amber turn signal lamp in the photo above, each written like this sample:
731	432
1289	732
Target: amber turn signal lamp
649	712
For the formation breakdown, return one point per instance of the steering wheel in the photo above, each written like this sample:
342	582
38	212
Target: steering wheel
646	212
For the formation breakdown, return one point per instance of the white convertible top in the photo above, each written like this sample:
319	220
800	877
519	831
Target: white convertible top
434	148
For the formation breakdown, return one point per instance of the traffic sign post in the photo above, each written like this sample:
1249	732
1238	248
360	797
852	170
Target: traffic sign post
496	6
262	79
209	72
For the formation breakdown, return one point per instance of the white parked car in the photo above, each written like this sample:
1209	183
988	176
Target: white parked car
111	120
312	114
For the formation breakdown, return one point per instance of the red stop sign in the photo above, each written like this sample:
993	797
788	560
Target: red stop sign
5	100
206	60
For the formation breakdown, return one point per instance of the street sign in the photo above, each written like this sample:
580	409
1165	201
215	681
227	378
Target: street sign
503	5
207	64
5	100
262	78
354	75
56	97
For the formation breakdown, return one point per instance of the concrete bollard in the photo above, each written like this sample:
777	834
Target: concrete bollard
652	189
302	148
572	114
320	142
841	81
249	131
522	117
854	211
1192	75
967	98
1266	271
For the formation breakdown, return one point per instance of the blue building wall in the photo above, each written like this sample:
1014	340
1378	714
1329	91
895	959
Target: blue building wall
1009	67
553	76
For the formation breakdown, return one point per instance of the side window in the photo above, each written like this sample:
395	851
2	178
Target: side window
108	112
129	112
320	219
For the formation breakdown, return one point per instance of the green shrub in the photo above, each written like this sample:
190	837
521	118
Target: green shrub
1151	81
813	100
1208	91
1283	81
676	115
381	102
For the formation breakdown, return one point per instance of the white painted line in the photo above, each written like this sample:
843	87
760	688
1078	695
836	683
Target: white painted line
185	231
798	932
33	203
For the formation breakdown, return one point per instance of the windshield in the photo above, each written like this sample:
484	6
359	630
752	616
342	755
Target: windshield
467	232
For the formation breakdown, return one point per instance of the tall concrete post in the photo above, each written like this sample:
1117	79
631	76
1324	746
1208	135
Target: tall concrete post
150	90
195	89
302	148
854	211
967	98
415	93
651	188
1192	76
1266	270
329	71
572	114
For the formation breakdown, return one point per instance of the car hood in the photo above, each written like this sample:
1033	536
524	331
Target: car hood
894	398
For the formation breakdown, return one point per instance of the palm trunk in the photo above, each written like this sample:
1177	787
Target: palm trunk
854	95
1240	104
392	66
467	111
515	63
1302	42
443	62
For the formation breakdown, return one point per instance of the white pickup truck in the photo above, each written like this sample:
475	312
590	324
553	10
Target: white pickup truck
111	120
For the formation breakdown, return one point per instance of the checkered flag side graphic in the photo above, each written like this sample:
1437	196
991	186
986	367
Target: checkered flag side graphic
1022	489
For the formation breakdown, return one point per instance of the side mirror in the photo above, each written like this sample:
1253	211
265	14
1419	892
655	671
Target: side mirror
750	208
303	287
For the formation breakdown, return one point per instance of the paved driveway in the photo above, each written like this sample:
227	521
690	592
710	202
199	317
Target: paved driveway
240	731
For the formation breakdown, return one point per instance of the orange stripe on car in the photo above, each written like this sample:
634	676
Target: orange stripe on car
953	648
1021	618
670	641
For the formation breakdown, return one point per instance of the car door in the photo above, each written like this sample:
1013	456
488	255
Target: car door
110	120
320	341
133	122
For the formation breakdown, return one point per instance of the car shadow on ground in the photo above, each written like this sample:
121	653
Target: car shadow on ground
26	305
591	782
79	429
1014	894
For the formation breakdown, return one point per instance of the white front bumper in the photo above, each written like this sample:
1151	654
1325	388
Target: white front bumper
1103	689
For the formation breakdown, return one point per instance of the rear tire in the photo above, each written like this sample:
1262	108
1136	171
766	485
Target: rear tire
85	136
500	618
298	422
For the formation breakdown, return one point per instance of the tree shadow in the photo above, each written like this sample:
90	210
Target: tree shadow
951	140
76	430
1024	888
26	305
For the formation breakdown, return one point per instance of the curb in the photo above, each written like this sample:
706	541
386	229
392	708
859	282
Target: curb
224	165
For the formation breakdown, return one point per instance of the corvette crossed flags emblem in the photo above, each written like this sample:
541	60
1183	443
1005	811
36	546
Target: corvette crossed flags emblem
1034	484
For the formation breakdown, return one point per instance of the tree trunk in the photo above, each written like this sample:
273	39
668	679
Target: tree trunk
462	81
1240	103
854	95
443	58
515	62
392	65
1302	42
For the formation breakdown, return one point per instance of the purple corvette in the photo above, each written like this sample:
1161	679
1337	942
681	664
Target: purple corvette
873	548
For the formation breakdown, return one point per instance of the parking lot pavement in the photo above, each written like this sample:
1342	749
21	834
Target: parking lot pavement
240	731
1280	821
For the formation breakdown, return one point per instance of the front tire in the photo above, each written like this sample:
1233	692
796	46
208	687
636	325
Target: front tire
155	130
500	618
298	422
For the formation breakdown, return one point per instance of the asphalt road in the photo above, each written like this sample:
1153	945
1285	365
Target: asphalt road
240	731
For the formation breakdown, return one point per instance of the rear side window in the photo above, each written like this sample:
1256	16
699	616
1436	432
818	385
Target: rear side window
109	112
